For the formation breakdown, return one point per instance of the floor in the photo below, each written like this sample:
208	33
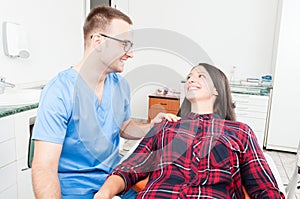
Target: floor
284	162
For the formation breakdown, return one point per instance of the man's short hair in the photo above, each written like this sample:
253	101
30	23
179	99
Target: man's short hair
99	18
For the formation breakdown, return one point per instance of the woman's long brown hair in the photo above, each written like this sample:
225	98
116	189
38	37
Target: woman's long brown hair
223	106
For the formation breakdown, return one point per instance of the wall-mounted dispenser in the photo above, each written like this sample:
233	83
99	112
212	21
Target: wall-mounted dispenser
11	40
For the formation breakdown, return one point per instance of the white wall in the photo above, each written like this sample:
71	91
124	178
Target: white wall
232	33
53	33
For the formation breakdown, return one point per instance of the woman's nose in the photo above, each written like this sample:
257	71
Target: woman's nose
191	80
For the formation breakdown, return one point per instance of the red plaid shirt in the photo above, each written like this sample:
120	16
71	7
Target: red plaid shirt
200	156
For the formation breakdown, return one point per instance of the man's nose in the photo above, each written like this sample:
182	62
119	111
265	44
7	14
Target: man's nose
129	54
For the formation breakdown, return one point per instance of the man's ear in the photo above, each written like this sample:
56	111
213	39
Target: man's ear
96	40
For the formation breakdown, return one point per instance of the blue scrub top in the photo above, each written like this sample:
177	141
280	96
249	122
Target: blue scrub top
69	114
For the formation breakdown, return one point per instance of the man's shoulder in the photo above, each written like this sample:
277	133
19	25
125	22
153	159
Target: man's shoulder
64	77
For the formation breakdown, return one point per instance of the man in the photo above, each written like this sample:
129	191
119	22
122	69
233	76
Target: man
83	111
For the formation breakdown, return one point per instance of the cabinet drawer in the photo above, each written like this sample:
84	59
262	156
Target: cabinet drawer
8	176
255	124
166	104
252	100
250	108
154	111
162	104
6	128
251	114
10	193
8	152
260	138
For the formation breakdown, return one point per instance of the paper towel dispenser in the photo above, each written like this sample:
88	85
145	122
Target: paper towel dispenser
11	33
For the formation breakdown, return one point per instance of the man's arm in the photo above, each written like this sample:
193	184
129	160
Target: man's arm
44	170
135	130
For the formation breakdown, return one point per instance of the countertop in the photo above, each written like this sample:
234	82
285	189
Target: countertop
260	90
6	111
164	96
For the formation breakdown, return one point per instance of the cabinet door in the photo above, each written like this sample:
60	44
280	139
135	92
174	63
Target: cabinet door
25	189
253	111
22	131
8	152
6	128
8	176
10	193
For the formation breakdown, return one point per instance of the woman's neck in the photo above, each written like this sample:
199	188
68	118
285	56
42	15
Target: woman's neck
202	108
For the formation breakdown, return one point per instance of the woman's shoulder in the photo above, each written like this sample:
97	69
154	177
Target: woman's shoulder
236	129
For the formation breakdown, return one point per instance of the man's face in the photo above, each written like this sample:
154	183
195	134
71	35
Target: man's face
113	52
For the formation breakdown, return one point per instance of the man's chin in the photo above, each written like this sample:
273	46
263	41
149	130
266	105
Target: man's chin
120	69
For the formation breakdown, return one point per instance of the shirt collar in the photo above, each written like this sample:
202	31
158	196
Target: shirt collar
194	116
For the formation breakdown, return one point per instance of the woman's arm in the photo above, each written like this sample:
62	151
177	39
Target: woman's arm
257	176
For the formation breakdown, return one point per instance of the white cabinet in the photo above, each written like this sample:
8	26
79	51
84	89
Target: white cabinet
14	140
22	132
7	156
9	193
252	110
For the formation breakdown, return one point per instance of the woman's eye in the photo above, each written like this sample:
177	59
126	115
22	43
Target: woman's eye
201	75
188	77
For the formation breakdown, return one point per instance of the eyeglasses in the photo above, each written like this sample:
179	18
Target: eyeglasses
126	43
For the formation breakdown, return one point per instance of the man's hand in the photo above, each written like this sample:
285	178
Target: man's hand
160	116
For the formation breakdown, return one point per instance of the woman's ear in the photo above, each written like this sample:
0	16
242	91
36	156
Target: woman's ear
215	92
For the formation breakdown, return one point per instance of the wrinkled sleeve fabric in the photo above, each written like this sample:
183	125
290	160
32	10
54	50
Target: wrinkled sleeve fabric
142	161
257	176
52	117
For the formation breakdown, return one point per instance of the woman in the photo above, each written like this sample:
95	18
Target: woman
205	155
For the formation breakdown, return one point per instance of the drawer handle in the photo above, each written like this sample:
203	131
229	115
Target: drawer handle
242	108
242	101
242	114
163	104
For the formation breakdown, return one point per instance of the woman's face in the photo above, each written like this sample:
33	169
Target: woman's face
199	85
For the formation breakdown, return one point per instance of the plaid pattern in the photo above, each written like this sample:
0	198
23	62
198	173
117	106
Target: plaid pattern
200	156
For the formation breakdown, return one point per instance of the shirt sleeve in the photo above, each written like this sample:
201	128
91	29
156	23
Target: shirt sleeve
141	162
257	176
52	117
